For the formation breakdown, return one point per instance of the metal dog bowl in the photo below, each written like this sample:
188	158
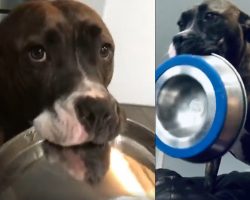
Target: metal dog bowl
31	168
201	107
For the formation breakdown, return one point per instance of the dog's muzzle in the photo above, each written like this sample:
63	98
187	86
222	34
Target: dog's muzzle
86	115
188	42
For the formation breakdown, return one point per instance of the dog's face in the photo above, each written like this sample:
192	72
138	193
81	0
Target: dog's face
215	26
56	61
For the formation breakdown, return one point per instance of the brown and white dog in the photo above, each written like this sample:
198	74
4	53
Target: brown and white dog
218	26
56	61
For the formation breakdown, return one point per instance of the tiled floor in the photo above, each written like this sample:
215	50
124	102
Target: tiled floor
142	114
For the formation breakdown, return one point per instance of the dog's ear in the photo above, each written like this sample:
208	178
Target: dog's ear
244	21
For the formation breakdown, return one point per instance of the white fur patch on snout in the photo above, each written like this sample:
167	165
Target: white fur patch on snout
171	51
61	126
94	94
94	90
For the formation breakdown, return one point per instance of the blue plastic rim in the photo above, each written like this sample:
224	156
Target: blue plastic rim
221	105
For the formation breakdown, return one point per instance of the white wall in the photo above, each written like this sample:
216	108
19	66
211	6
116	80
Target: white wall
97	5
132	25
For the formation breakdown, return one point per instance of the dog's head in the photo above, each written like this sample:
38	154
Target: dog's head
215	26
56	61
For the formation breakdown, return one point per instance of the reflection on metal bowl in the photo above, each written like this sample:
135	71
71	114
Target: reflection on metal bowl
31	168
201	107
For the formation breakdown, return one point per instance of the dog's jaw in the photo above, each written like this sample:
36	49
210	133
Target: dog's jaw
61	126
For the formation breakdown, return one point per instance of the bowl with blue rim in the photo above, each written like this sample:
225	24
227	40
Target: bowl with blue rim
201	107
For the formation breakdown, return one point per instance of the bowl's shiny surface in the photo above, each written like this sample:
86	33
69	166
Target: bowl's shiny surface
31	168
185	106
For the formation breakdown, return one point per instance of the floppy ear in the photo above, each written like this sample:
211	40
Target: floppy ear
244	21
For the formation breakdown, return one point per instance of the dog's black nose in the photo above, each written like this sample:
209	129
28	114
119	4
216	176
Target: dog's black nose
178	39
93	112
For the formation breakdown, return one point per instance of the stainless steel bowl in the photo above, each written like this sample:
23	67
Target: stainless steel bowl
201	107
31	168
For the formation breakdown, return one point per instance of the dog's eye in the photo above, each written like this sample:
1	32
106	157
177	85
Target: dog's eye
105	50
210	16
37	54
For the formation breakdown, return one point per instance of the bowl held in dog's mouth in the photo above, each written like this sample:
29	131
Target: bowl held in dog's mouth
31	168
201	107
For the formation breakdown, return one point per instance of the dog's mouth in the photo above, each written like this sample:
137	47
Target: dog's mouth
61	125
197	46
80	119
191	49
